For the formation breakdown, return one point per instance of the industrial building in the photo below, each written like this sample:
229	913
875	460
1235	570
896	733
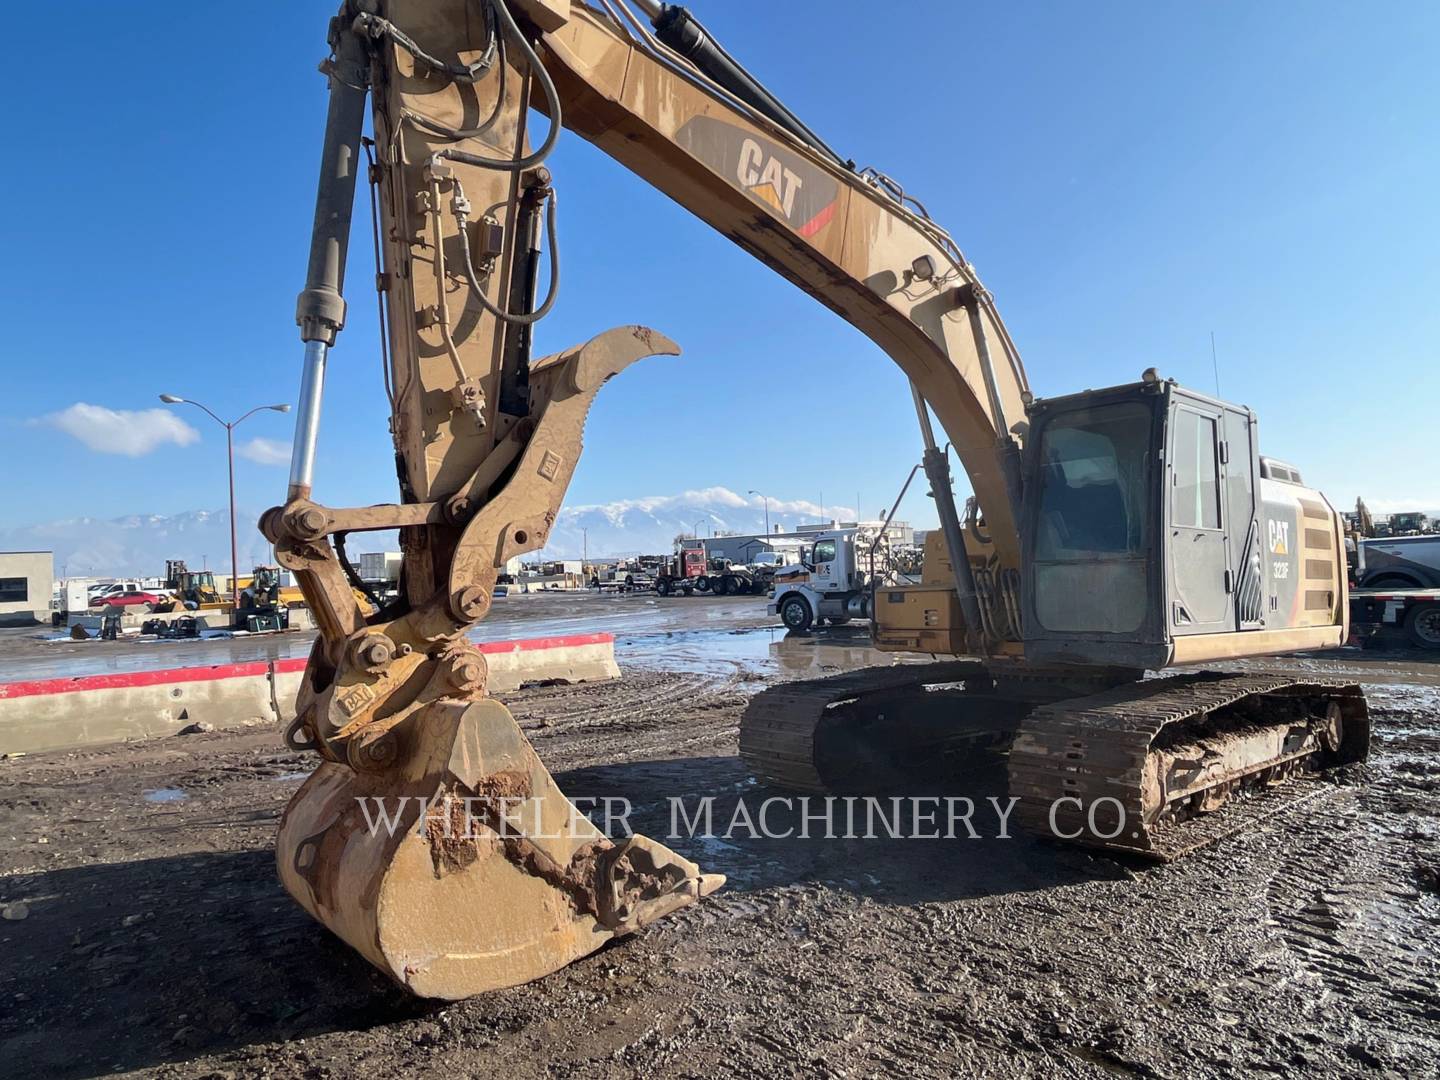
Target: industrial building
898	534
27	579
743	547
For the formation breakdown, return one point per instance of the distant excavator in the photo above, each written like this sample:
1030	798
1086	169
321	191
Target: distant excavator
1111	532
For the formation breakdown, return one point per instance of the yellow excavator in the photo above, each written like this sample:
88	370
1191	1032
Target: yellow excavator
1112	532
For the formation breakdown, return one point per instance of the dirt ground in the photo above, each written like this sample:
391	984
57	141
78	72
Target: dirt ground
156	937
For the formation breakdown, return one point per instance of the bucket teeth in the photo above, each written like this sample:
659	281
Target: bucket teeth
464	868
645	881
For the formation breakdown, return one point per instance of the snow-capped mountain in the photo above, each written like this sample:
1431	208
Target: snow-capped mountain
648	526
138	545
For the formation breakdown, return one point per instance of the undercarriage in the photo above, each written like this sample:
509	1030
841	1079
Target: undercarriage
1128	767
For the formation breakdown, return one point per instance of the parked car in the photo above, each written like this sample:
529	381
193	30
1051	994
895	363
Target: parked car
128	599
114	588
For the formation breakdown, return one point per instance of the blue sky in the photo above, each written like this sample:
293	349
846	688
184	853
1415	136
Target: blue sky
1127	177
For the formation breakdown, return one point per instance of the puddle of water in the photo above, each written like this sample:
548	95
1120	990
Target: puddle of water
165	794
715	855
756	653
724	637
713	846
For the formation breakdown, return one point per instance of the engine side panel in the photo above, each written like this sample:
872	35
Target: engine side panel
1305	581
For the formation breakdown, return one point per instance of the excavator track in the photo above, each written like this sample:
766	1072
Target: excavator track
1142	767
783	728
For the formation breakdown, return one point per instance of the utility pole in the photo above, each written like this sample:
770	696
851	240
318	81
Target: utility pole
767	509
229	426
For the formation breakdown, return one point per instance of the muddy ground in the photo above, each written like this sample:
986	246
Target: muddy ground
157	939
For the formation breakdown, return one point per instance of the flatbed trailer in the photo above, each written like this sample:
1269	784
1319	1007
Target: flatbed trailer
1415	611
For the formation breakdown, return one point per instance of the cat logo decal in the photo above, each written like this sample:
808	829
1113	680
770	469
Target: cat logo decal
794	188
1279	537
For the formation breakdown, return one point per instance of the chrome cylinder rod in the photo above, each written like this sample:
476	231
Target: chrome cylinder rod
320	309
307	420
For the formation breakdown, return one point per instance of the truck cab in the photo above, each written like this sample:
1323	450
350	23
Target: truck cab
686	569
827	583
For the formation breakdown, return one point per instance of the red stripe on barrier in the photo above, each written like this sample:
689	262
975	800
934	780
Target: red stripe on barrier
130	679
527	644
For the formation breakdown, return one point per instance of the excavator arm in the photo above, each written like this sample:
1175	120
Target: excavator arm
478	873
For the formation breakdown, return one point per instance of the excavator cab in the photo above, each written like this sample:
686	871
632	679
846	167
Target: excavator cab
1152	535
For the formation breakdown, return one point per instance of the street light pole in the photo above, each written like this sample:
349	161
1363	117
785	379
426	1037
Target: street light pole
697	529
234	573
767	509
229	426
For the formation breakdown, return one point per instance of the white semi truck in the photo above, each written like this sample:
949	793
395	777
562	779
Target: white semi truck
828	583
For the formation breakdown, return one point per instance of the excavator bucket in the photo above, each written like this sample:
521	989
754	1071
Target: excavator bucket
463	868
432	839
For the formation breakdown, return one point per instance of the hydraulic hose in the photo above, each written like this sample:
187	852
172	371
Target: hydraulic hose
436	128
376	27
497	41
473	279
552	105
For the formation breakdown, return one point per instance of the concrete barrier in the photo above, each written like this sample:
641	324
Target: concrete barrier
206	619
573	658
58	714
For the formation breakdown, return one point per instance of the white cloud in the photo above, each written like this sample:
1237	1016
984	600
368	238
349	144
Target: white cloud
266	451
131	432
712	496
716	498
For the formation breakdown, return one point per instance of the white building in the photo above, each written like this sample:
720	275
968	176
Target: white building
382	566
27	581
899	534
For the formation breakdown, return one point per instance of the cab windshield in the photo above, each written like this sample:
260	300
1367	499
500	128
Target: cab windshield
1091	534
1092	483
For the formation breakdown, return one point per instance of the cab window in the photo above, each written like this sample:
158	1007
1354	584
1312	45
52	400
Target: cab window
824	551
1092	483
1196	501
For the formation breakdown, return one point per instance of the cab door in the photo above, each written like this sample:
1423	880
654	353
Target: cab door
826	569
1198	560
1240	476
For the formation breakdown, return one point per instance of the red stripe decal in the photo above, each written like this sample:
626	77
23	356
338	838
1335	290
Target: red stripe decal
131	679
818	222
